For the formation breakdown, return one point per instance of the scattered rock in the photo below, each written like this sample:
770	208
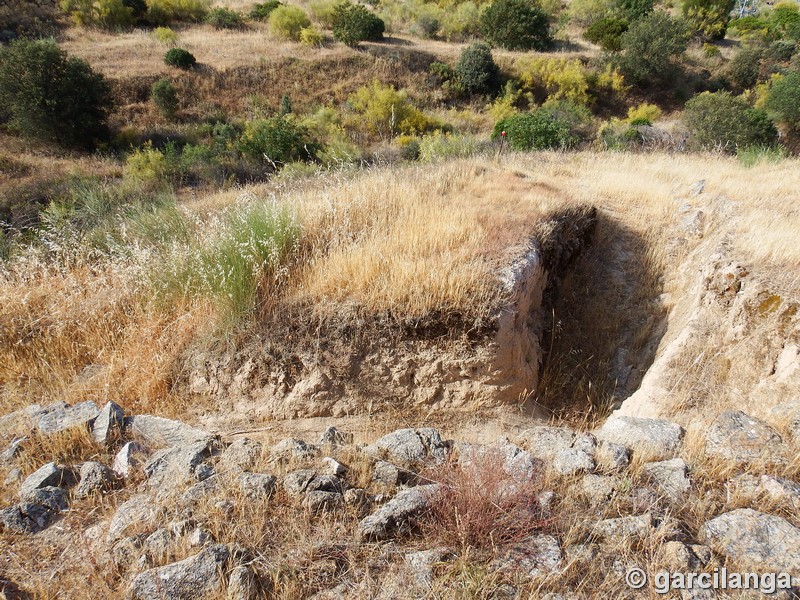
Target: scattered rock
242	584
546	499
318	501
126	552
598	489
515	462
158	544
26	517
257	486
657	439
569	452
301	482
12	450
741	438
108	423
385	473
14	476
355	497
572	461
677	557
200	537
179	464
330	466
671	476
139	510
53	498
410	447
188	579
755	540
423	562
624	530
292	449
394	516
536	556
613	457
47	475
128	458
159	431
335	438
63	417
780	490
94	477
241	455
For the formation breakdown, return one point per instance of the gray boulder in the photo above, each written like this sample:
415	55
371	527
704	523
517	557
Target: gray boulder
656	439
613	457
159	431
62	417
241	455
55	499
409	447
385	473
740	438
318	501
292	449
257	486
301	482
139	510
26	517
755	540
179	464
335	438
128	458
188	579
94	477
598	489
779	490
568	452
394	516
108	423
536	556
671	476
50	474
331	466
624	530
515	462
242	584
422	563
11	451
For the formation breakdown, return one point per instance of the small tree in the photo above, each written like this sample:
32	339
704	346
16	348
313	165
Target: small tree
708	18
178	57
223	18
634	9
288	21
540	130
165	97
476	70
516	25
744	68
783	99
607	33
279	139
353	23
723	121
261	12
46	94
650	48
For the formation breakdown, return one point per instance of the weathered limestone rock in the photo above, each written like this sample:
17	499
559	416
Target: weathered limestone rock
180	463
108	423
624	530
679	557
63	417
568	451
137	510
657	439
301	482
292	449
740	438
241	455
335	438
47	475
159	431
598	489
779	490
394	516
410	447
128	458
26	517
331	466
755	540
422	563
158	545
188	579
13	450
317	501
242	584
671	476
94	477
515	462
386	473
53	498
538	555
257	486
613	457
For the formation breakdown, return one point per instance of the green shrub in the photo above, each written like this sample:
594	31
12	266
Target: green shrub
476	70
722	121
164	12
744	68
110	14
651	47
585	12
277	140
166	36
462	22
165	97
785	19
323	10
643	114
311	36
607	33
780	51
539	130
288	21
385	112
761	155
223	18
516	25
262	11
428	21
555	78
23	18
634	9
352	23
783	99
180	58
708	18
749	25
440	146
47	95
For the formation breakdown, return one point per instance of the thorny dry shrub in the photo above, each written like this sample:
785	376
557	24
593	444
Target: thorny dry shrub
483	506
